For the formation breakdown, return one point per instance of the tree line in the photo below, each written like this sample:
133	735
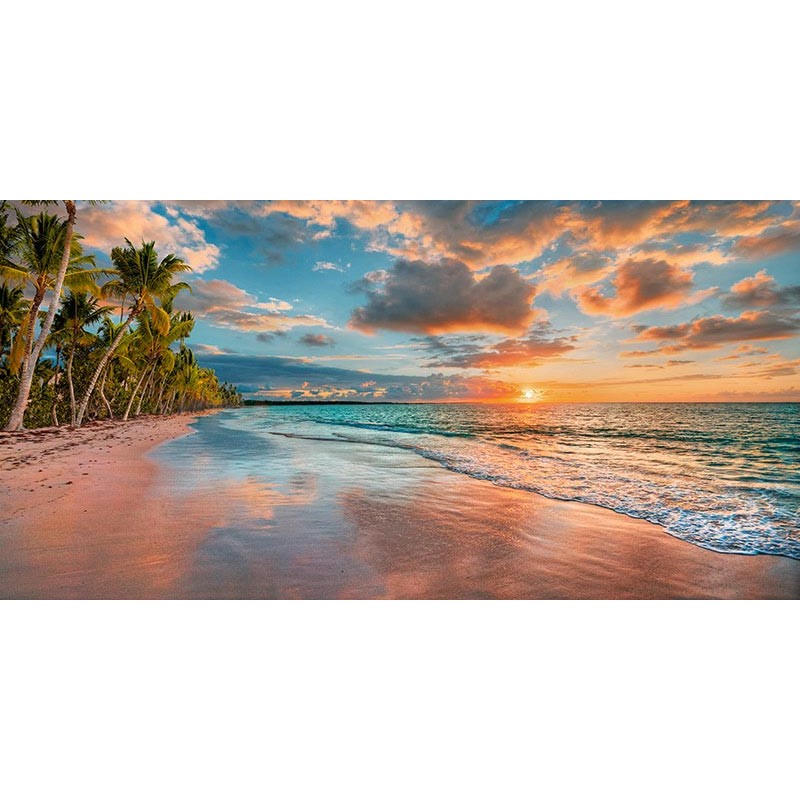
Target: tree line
111	344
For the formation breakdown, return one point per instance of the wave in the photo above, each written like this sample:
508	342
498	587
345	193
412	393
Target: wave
749	518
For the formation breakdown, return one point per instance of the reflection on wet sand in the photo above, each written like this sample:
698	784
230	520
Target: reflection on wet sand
341	520
226	513
83	517
482	541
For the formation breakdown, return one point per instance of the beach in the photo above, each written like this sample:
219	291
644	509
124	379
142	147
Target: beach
137	510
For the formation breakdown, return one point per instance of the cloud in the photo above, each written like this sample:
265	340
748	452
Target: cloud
317	340
364	214
210	350
682	255
475	352
272	237
670	363
612	225
269	336
609	225
327	266
586	267
571	272
776	370
761	290
709	333
420	297
744	351
789	395
208	296
224	304
782	238
107	225
639	285
249	321
482	234
297	378
478	233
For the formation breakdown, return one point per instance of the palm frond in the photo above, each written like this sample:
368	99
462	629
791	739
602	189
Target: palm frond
18	350
14	274
160	319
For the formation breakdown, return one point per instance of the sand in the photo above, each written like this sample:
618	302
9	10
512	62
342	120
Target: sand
97	513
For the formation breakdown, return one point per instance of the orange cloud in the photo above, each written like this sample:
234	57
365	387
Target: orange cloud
640	285
521	232
783	238
363	214
682	255
613	225
226	305
761	290
474	352
107	225
709	333
581	269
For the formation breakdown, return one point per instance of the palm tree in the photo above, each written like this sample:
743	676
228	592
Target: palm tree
107	334
154	349
56	340
50	255
79	311
13	310
13	305
140	274
9	236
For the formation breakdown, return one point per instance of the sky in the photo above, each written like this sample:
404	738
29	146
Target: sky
490	301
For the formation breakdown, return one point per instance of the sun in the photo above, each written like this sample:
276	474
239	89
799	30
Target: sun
531	396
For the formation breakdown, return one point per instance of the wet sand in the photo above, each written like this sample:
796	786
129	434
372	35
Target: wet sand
98	513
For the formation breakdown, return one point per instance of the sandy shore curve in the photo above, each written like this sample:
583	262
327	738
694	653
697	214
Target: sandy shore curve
95	513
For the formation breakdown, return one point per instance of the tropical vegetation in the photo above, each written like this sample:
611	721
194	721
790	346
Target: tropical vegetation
111	343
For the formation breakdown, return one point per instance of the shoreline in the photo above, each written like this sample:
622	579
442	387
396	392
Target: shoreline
101	518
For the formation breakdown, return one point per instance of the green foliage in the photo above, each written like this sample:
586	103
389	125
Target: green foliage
151	371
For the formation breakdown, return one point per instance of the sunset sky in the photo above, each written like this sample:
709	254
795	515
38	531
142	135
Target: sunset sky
470	300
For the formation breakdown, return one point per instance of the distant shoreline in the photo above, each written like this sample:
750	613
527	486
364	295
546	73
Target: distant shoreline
520	403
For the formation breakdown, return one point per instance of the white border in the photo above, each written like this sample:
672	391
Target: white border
427	100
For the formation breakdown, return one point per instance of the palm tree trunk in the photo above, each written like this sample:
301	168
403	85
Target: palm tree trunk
101	366
170	402
103	393
21	403
159	408
26	379
72	405
53	408
133	395
144	391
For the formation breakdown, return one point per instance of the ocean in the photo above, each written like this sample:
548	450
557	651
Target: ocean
722	476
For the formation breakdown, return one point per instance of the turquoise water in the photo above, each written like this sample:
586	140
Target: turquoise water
722	476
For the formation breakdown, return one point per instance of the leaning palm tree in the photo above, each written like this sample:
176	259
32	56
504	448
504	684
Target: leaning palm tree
107	333
79	311
139	274
48	256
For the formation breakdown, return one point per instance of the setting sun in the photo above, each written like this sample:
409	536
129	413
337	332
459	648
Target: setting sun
531	396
